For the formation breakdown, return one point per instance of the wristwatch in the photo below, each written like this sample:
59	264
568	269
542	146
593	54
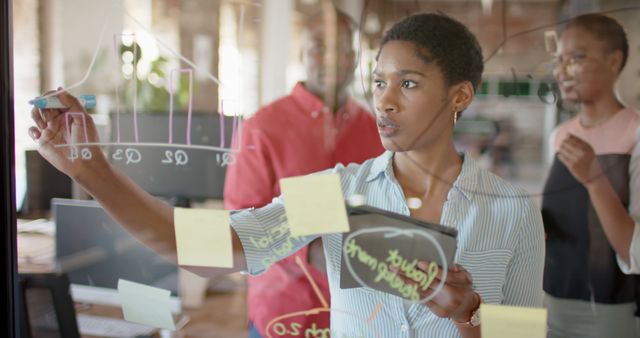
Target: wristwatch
474	320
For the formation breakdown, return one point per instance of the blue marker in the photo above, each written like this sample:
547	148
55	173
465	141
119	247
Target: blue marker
52	102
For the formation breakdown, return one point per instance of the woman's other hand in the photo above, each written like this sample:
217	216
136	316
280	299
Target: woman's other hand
578	156
456	300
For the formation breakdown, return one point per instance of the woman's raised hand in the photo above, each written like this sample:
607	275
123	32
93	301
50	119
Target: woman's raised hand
63	135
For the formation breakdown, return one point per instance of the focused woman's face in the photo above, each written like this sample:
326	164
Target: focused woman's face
583	66
411	98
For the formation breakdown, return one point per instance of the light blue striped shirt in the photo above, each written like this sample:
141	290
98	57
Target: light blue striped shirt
500	242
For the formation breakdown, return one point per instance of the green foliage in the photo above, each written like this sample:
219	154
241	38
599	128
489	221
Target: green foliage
154	97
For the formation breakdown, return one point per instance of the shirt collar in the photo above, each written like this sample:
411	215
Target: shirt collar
381	164
466	183
312	105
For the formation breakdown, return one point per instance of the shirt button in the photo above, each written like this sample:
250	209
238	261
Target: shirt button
314	114
404	328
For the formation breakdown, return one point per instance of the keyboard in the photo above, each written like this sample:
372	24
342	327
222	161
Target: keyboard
111	327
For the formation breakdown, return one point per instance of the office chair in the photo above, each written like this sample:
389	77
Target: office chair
52	313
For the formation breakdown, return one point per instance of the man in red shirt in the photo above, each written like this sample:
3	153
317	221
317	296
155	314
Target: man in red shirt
299	134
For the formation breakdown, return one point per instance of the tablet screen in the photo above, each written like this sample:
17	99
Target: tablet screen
380	240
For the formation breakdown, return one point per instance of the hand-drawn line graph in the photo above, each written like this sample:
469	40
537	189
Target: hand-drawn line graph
281	329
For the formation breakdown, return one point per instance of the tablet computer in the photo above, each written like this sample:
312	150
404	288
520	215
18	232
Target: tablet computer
379	239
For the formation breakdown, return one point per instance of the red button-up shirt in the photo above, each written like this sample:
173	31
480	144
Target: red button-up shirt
294	136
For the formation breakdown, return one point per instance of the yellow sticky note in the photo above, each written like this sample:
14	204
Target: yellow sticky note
314	204
146	305
203	237
499	321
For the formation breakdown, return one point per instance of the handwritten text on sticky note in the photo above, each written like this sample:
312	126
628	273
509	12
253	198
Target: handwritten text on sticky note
314	204
203	237
146	305
499	321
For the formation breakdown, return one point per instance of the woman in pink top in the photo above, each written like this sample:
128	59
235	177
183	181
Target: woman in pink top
590	205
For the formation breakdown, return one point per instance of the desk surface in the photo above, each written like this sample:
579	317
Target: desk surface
222	314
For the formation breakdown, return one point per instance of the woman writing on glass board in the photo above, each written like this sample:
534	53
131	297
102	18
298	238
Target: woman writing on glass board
428	68
591	195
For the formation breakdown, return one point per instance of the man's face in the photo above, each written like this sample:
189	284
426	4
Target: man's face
314	49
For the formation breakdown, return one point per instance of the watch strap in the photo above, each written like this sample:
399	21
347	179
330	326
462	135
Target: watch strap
474	318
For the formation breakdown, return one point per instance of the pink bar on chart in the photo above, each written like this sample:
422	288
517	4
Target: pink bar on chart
188	71
135	89
116	63
67	125
235	124
116	56
221	124
235	132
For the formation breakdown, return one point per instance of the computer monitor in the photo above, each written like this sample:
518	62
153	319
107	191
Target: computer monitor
44	182
95	251
185	170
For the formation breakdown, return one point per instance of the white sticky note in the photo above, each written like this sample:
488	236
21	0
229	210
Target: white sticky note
500	321
314	204
146	305
203	237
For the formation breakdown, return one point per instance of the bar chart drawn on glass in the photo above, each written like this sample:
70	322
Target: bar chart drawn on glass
176	151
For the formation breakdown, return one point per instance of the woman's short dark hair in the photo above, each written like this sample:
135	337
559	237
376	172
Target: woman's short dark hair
441	39
605	29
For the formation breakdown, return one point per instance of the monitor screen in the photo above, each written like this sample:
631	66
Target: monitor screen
95	251
188	162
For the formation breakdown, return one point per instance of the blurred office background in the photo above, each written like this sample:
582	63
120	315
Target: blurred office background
252	47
